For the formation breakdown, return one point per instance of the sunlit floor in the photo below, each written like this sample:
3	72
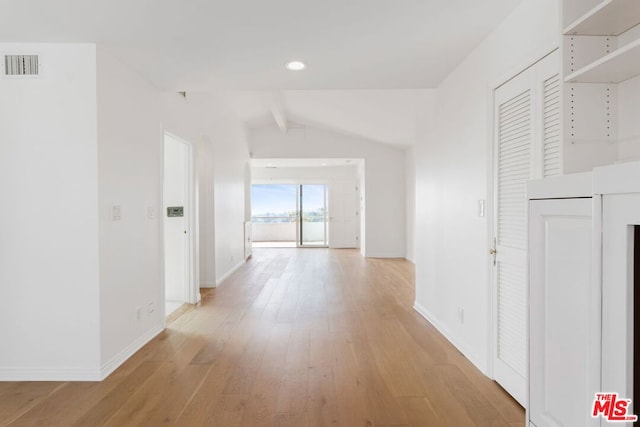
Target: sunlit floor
294	338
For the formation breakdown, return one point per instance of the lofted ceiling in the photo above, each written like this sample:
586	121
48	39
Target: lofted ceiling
386	116
355	50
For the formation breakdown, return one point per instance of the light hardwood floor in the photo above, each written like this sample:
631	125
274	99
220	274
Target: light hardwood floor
297	337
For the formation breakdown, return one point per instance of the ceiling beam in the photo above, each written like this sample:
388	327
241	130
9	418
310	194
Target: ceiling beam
276	105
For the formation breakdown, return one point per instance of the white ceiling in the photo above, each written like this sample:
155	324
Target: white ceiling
386	116
243	44
365	57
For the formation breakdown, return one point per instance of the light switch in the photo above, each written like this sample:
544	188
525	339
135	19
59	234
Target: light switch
151	212
481	208
116	213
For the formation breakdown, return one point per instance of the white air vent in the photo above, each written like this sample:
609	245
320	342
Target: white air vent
21	65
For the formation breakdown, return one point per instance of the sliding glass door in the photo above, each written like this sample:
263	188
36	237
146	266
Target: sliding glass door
285	215
313	215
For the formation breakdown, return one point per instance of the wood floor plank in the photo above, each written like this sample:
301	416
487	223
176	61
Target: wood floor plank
292	396
351	400
66	404
100	412
261	408
296	337
17	398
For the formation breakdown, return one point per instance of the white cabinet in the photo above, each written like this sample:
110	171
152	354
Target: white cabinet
584	268
620	213
600	68
620	189
564	368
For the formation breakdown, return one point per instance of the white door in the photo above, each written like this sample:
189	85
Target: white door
514	133
564	312
175	213
526	146
343	214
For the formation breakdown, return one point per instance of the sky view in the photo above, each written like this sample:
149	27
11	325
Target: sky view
280	198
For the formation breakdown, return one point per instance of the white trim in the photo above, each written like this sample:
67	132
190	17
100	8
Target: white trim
50	374
514	72
230	272
122	356
80	374
464	349
207	283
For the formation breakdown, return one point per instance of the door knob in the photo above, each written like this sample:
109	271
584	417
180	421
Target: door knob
494	251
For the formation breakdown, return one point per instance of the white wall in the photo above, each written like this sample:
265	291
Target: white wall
220	140
410	171
49	313
452	155
230	158
130	142
628	123
132	119
384	175
263	175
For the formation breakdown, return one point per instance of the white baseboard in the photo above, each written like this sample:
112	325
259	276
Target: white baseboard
79	374
49	374
465	350
230	272
129	351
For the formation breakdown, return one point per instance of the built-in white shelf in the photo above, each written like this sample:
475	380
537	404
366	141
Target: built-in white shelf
609	18
618	66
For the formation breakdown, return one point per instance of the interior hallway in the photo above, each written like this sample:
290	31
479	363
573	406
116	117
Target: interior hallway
297	337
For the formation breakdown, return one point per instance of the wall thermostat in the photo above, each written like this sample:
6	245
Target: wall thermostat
173	211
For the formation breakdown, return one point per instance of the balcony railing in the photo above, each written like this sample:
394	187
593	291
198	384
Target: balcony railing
284	229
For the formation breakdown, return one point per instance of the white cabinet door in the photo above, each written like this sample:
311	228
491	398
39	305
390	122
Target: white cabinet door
564	327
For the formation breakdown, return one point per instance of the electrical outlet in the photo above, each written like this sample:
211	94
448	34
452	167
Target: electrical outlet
116	213
150	308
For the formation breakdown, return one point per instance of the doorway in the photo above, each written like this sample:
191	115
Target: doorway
179	224
289	215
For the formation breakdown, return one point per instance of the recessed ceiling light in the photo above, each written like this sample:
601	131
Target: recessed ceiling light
348	161
296	66
324	164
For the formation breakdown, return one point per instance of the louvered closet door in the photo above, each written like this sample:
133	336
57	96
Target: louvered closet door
548	86
515	158
551	126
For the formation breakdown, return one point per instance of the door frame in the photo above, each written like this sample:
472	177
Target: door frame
491	210
191	291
